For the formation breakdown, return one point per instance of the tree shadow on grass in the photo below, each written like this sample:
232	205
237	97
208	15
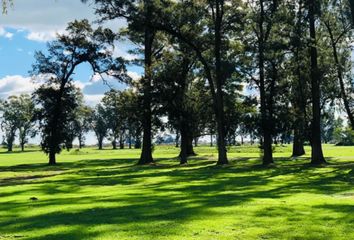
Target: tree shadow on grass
163	194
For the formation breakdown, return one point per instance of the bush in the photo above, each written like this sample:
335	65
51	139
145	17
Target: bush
346	138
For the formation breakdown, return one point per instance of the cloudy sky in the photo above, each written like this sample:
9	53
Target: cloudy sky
28	26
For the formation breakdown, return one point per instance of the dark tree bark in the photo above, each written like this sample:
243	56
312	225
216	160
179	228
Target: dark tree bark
9	147
52	157
196	139
22	142
130	140
146	153
121	142
177	139
186	144
80	144
317	153
114	144
220	113
299	103
137	140
265	121
100	143
211	140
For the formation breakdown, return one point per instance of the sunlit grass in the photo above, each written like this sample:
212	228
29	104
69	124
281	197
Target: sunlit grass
95	194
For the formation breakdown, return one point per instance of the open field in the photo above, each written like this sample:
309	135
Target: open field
95	194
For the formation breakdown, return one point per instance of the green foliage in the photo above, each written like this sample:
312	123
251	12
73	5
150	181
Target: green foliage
346	137
57	96
17	116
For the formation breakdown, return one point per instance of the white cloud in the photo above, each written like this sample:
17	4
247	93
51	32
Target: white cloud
93	100
93	91
41	36
15	85
134	75
6	34
43	19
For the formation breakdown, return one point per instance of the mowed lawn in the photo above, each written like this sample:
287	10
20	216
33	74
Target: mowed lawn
95	194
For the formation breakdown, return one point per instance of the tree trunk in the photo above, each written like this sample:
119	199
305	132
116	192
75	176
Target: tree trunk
22	147
100	143
177	139
146	153
184	148
130	140
121	142
9	147
211	140
317	153
114	144
298	144
81	144
52	159
265	121
186	145
299	103
137	144
220	113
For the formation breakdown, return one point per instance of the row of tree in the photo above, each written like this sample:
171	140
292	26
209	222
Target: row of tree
295	53
198	56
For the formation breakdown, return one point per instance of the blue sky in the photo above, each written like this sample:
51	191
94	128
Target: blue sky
29	26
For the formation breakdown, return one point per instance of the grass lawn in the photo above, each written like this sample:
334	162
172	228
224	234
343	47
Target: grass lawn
95	194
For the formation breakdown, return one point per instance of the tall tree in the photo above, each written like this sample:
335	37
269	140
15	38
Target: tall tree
317	153
80	44
208	28
267	38
298	66
139	17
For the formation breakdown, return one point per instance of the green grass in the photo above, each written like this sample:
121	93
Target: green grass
95	194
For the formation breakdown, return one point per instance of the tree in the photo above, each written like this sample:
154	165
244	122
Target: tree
82	122
18	114
339	29
267	43
80	44
317	153
110	103
139	17
298	66
26	124
130	109
10	120
173	82
99	124
208	28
